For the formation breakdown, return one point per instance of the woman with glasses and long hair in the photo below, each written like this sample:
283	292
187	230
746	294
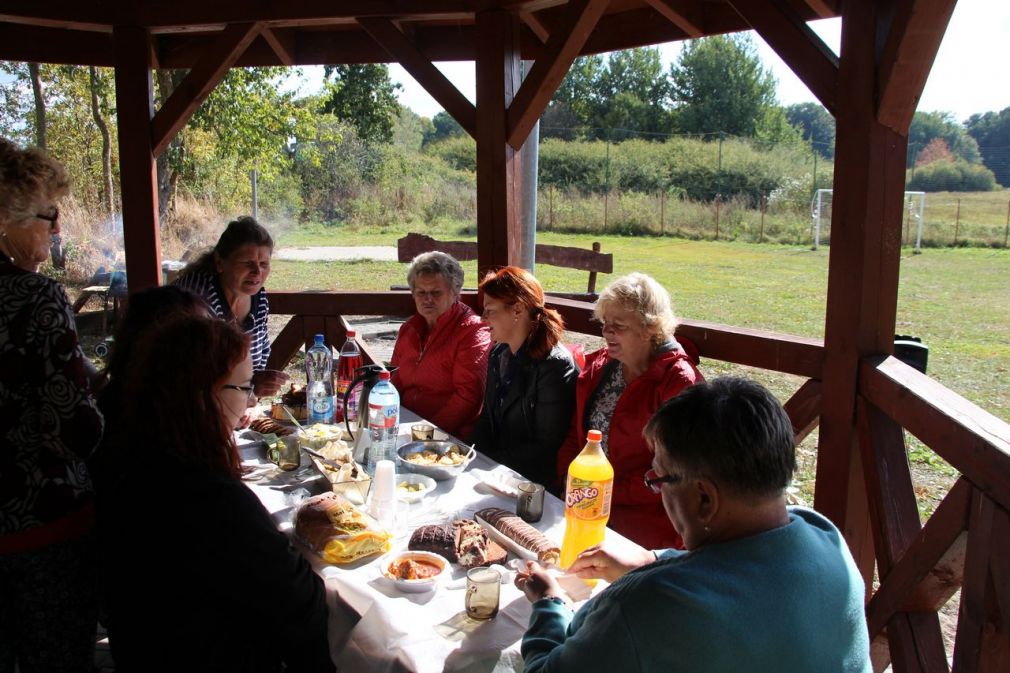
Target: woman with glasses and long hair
530	391
231	279
761	587
641	365
49	425
196	572
441	351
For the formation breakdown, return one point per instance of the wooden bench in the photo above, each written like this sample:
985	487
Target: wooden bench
566	257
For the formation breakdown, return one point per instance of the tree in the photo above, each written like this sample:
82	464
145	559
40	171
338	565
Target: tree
98	96
992	133
579	91
719	86
444	125
936	150
40	105
929	125
817	125
364	96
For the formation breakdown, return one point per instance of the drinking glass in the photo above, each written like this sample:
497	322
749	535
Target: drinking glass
482	589
530	505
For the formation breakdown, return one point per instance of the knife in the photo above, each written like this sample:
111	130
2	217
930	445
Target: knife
292	417
323	459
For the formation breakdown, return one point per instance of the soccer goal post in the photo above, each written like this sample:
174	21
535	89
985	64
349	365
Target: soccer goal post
913	209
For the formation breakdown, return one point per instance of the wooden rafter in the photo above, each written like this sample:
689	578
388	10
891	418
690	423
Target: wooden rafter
912	42
684	14
200	82
804	409
972	616
823	8
535	25
423	70
282	43
559	53
799	46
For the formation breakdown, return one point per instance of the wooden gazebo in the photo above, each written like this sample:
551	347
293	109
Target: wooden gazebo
862	397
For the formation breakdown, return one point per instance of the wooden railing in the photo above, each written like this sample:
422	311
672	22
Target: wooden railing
964	545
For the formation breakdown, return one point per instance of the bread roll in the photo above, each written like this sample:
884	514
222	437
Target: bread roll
332	527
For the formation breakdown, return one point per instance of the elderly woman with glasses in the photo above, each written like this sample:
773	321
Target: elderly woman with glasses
197	573
761	586
441	351
231	279
49	425
623	383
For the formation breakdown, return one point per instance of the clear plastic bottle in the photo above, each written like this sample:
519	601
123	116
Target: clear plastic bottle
587	499
350	360
383	421
319	372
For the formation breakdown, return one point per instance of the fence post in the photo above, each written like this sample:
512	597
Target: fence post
718	199
550	209
1006	232
761	232
957	221
662	212
908	219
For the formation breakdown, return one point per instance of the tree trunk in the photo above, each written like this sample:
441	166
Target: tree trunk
103	127
167	80
41	137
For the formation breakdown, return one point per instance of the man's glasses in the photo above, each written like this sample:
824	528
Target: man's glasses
248	390
51	219
655	481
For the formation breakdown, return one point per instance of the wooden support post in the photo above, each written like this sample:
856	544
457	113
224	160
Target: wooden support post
138	182
498	169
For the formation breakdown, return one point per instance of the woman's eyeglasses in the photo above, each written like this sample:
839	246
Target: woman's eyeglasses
655	481
248	390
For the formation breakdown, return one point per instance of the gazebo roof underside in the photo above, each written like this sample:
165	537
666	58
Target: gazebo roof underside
328	32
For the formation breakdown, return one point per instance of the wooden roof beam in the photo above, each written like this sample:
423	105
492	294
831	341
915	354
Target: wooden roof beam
800	47
550	67
282	42
423	70
912	42
684	14
823	8
200	82
535	25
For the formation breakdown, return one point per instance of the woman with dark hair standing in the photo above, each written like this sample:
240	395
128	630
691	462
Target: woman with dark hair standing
231	279
530	390
197	573
49	425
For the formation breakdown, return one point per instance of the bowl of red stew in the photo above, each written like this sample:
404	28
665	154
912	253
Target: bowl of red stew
415	571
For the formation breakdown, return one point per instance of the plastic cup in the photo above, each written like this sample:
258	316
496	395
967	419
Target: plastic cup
383	502
483	586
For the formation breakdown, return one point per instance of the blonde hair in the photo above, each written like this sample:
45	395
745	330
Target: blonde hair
642	295
25	177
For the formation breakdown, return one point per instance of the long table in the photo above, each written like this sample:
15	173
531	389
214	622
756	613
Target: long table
374	626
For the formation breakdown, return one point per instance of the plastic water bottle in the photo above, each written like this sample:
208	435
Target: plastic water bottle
350	360
383	421
319	372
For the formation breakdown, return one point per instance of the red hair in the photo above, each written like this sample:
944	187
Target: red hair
170	394
513	285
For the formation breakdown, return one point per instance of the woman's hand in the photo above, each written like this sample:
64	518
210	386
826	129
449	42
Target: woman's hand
601	562
268	382
537	583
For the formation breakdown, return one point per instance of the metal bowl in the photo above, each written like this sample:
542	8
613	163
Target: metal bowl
436	472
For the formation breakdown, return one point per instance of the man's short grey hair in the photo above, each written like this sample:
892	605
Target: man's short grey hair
641	294
437	263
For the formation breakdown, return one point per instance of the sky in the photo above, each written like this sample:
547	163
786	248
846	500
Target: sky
971	72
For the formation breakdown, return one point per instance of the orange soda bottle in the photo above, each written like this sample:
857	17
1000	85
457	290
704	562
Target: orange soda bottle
587	499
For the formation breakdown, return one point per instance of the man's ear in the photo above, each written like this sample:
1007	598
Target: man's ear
708	500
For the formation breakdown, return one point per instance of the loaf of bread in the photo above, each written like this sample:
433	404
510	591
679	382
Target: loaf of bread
333	528
520	532
463	542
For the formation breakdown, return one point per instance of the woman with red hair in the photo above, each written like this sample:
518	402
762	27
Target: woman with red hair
196	571
530	390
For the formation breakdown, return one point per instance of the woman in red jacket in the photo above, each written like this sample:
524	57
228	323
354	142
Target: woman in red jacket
641	366
441	351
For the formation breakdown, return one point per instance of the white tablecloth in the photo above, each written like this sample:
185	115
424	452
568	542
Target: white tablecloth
374	626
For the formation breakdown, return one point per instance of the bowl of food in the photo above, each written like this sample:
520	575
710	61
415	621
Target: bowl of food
415	571
440	460
413	487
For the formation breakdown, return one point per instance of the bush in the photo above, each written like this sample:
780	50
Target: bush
951	176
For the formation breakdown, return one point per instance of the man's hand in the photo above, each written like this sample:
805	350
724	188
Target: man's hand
537	583
268	382
601	562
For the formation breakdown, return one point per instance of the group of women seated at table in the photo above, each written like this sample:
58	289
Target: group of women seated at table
194	573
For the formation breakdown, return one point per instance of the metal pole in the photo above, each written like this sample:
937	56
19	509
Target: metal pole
529	161
957	221
761	233
606	183
815	170
921	218
662	213
253	177
1006	232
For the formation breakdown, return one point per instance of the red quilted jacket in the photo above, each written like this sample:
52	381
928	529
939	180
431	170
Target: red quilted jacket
636	512
441	375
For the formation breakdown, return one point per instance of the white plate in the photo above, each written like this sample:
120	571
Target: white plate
427	483
509	544
414	586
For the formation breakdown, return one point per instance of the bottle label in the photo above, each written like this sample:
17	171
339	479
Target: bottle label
588	500
380	416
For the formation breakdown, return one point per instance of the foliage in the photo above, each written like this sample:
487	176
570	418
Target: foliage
719	86
817	125
936	150
411	129
459	152
928	125
957	176
992	133
443	125
363	95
